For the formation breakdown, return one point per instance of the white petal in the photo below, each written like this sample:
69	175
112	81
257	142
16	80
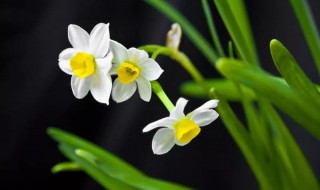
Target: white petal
80	87
105	63
177	112
99	40
144	87
208	105
119	52
78	38
163	141
204	117
122	92
114	68
137	56
164	122
67	54
65	66
150	69
101	87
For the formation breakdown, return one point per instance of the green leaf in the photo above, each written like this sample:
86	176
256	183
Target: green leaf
251	152
65	166
105	180
212	28
309	28
77	142
226	88
302	110
191	32
293	158
109	164
291	71
233	14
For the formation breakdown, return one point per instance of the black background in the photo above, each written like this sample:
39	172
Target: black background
36	94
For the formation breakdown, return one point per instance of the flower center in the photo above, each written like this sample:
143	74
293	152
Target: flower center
186	130
127	72
82	64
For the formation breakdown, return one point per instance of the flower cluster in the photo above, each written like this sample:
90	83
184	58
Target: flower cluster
90	64
94	58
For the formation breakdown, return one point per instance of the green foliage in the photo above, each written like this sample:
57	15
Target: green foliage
309	28
107	169
291	71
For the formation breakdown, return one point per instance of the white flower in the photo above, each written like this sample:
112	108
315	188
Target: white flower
179	128
133	67
174	36
88	62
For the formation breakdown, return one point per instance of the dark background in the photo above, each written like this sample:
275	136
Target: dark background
36	94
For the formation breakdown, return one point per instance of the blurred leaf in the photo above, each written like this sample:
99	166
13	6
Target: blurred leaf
110	164
302	110
226	88
65	166
191	32
291	71
251	152
233	14
293	158
212	27
105	180
309	28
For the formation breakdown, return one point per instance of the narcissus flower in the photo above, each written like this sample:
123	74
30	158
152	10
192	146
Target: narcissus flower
89	62
179	128
134	68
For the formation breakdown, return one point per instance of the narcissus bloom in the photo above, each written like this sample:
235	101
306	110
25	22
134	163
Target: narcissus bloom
134	68
179	128
89	62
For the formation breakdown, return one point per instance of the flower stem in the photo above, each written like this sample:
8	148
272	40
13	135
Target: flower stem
157	89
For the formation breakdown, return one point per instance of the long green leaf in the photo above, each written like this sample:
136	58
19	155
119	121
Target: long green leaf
105	180
110	164
225	87
291	71
234	16
294	158
309	28
73	140
252	154
212	28
191	32
302	110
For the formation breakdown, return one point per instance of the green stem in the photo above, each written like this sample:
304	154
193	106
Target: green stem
157	89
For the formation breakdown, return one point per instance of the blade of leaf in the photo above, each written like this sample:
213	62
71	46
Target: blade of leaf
212	28
291	71
302	110
103	179
191	32
233	15
110	164
226	89
309	28
252	154
290	148
75	141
